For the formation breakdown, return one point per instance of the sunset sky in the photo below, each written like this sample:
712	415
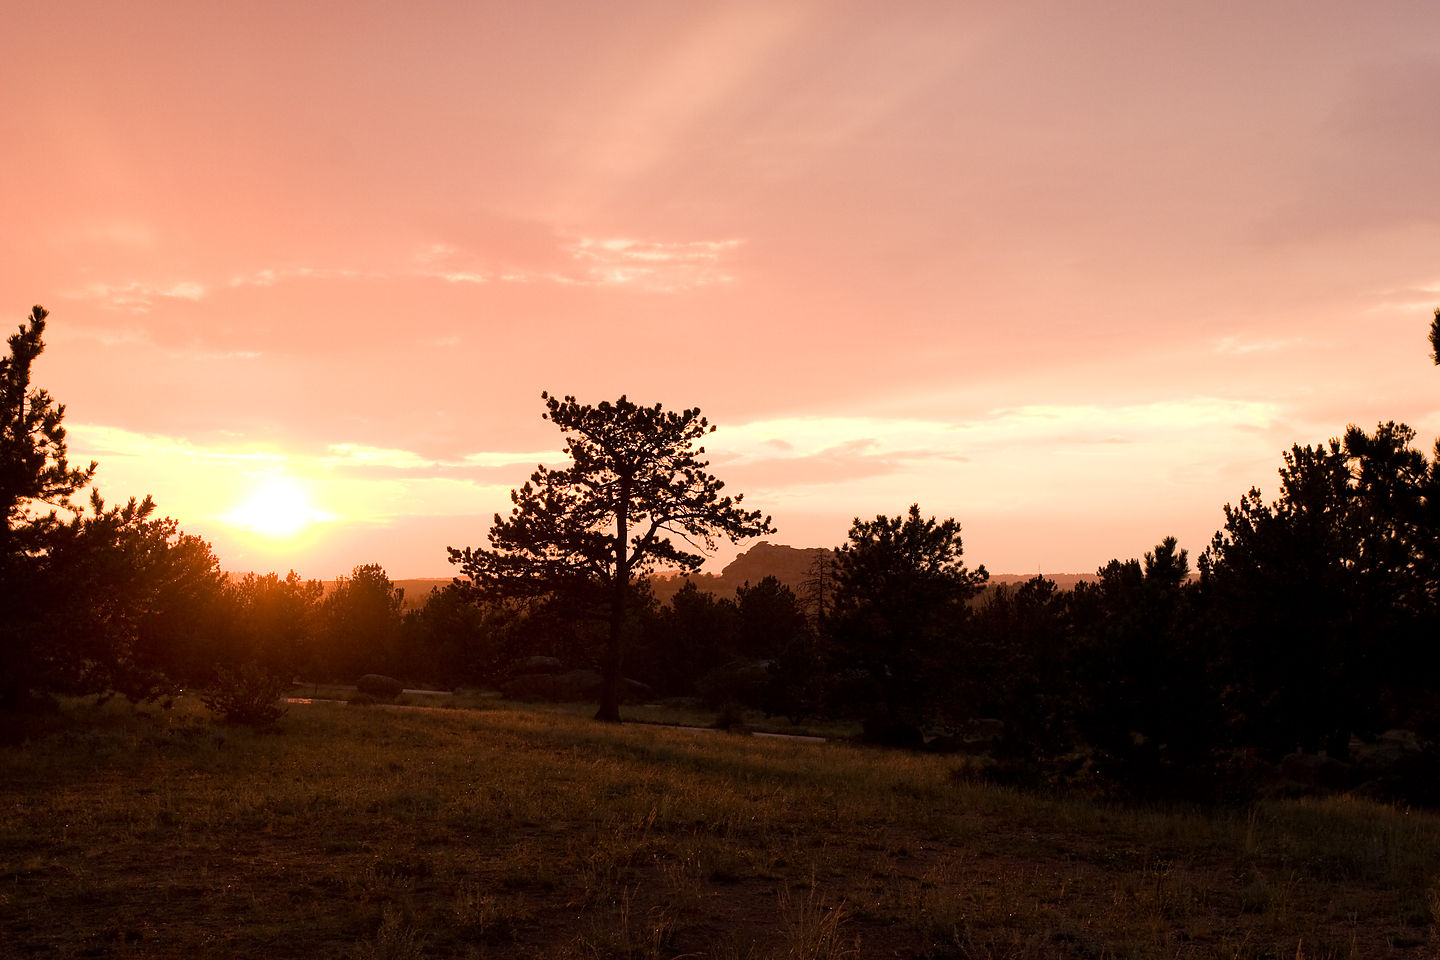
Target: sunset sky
1072	273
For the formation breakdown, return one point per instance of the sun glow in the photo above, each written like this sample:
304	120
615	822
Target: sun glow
278	507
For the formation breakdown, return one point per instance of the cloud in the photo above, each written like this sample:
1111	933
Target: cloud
1420	298
185	290
581	260
108	337
218	354
138	296
501	459
129	336
827	451
844	462
445	261
269	276
1240	346
804	437
653	265
201	482
358	455
98	440
1138	422
1033	453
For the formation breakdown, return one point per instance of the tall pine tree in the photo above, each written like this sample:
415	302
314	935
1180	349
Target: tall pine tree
637	479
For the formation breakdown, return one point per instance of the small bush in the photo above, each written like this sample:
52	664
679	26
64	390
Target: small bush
247	696
742	682
731	719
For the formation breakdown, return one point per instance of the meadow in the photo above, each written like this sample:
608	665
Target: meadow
401	833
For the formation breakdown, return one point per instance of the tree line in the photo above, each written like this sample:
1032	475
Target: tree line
1308	620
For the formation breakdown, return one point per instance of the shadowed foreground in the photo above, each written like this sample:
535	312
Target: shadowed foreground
355	832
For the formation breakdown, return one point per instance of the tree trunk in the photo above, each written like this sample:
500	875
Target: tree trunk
609	711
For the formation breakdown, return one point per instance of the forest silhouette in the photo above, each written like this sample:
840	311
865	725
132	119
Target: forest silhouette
1305	627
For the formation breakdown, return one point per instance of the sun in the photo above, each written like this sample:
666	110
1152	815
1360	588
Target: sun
277	507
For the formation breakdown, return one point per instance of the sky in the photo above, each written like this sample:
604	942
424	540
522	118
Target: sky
1073	274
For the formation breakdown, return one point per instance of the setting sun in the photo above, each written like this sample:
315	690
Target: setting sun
278	507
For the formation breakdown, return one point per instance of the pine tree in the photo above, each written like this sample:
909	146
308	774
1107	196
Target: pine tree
33	464
636	480
34	475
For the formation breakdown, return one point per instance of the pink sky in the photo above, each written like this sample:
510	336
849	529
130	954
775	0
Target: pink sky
1075	274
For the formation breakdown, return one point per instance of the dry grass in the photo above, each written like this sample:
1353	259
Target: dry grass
384	833
682	712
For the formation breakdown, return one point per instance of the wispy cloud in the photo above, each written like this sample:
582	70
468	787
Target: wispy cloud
650	265
825	451
358	455
445	261
270	276
1023	445
132	337
203	481
1240	345
653	265
219	354
503	459
99	440
138	296
362	456
1420	298
109	337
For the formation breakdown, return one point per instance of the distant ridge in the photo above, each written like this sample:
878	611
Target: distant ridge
791	566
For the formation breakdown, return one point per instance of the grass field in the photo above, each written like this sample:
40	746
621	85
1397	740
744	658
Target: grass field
678	712
391	833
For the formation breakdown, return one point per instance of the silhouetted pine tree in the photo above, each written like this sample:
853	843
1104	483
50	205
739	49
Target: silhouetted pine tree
636	480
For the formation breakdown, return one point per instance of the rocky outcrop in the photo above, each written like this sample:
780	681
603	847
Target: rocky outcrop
379	686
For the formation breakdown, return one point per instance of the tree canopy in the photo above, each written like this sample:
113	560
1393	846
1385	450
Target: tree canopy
101	600
901	590
637	495
1435	338
1326	590
34	468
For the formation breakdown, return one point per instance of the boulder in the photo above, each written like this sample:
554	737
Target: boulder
883	732
382	687
1385	751
633	691
975	737
739	681
578	685
529	686
537	665
1312	770
569	687
983	728
952	744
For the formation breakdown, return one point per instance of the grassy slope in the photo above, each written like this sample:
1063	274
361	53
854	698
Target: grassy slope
378	832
